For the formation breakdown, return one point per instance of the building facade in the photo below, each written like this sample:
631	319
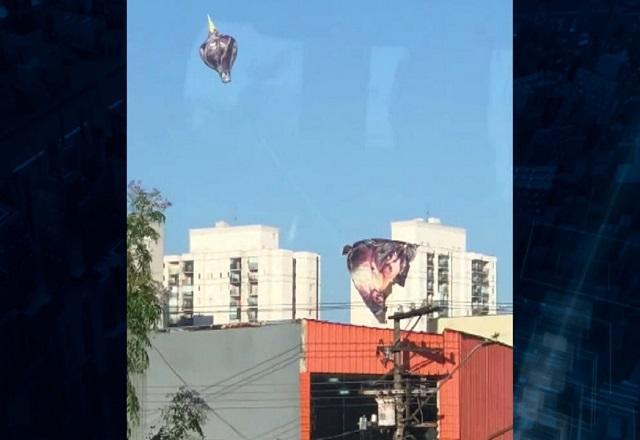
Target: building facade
156	248
498	327
303	380
237	274
443	272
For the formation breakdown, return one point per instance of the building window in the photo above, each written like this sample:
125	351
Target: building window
235	275
187	304
430	277
294	299
443	283
480	287
234	310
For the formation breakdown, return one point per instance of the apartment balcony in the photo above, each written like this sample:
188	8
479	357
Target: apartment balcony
444	305
235	278
234	292
253	277
174	270
253	300
234	314
187	281
252	314
253	266
443	276
187	289
480	310
235	264
187	267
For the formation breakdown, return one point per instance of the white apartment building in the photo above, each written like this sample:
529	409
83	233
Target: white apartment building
238	274
442	273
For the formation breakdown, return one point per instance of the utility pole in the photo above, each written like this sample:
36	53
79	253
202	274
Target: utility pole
401	393
397	382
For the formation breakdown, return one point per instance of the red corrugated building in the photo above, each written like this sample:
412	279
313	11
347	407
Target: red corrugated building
304	380
474	403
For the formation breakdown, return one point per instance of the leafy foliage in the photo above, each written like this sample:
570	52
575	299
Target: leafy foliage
146	209
184	416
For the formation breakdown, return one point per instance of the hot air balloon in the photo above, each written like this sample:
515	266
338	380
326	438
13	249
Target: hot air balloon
375	265
219	52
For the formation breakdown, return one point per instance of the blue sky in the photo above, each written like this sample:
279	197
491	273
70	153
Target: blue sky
340	118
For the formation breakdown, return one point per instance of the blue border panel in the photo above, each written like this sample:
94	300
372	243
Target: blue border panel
62	219
576	217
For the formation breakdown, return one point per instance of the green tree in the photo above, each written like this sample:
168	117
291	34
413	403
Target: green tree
183	418
146	209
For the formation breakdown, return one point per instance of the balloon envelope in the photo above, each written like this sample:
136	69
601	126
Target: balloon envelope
219	52
375	265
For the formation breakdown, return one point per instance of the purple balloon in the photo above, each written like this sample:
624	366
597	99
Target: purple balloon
375	265
219	53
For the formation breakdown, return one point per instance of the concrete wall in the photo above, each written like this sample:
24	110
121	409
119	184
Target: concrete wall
430	233
233	238
485	326
307	284
249	376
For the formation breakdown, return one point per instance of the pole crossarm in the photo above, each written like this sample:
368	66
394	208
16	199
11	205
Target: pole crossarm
417	312
401	392
434	354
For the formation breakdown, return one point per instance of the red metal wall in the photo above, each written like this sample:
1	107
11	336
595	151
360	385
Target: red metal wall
351	349
305	406
486	390
449	393
474	403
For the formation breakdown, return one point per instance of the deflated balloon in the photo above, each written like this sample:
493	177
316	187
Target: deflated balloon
375	265
219	52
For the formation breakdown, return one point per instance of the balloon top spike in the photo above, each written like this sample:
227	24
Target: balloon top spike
212	27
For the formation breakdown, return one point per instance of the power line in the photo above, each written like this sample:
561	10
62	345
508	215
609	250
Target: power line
344	434
273	430
222	419
295	347
358	303
267	372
